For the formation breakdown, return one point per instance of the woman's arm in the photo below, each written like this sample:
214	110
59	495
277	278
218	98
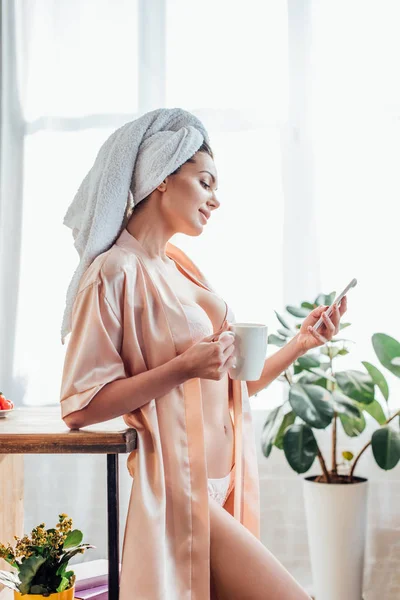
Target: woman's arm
122	396
275	365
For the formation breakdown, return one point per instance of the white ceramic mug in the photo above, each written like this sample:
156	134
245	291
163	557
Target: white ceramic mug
251	341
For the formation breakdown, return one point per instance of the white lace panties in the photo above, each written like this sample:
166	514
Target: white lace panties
220	488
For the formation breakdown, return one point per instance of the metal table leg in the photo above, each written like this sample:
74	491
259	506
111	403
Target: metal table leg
113	526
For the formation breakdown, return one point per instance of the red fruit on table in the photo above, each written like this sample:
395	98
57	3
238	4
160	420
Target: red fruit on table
5	404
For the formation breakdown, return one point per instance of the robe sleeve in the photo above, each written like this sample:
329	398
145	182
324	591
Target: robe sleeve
92	357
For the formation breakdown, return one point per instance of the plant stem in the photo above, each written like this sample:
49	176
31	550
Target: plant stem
331	387
323	465
366	446
334	444
288	376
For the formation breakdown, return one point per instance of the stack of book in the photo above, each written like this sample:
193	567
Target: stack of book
97	593
91	579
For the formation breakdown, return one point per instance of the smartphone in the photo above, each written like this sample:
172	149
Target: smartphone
337	300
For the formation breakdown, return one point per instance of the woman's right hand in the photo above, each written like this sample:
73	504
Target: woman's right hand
210	359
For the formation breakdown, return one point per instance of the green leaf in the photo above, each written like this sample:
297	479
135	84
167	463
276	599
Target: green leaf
345	405
270	430
300	313
347	455
356	385
288	420
343	352
276	340
282	320
285	332
387	348
300	447
311	403
321	382
10	560
386	447
63	584
308	305
28	570
68	555
378	378
375	410
307	377
43	590
343	326
333	352
325	299
321	373
62	568
351	425
74	538
311	377
330	351
308	361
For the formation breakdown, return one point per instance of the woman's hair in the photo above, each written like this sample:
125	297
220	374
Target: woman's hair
205	147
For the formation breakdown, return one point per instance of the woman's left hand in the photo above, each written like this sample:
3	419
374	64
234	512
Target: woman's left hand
309	338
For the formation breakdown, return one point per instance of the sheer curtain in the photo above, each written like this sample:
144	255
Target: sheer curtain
356	141
301	100
84	69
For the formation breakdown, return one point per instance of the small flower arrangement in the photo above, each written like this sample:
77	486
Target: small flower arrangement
42	559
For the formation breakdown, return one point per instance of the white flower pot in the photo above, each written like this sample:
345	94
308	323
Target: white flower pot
336	517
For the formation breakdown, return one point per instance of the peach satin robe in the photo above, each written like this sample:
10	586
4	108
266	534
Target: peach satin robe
126	320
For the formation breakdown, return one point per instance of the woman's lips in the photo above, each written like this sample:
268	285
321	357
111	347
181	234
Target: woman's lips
203	216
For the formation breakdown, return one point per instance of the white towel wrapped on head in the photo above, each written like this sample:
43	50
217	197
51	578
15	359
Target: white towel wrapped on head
137	157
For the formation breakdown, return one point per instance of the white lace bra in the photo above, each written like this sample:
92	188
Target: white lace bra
200	324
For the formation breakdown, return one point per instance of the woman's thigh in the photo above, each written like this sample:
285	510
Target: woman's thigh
241	567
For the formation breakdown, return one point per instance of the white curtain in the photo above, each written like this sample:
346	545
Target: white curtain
84	68
301	100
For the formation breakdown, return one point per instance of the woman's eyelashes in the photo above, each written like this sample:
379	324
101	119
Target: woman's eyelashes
206	184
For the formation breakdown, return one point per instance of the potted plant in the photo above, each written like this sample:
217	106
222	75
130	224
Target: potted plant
42	561
320	396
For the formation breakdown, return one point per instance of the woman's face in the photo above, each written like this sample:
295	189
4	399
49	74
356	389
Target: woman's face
189	192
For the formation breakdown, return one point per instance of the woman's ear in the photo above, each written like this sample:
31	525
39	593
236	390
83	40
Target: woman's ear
163	186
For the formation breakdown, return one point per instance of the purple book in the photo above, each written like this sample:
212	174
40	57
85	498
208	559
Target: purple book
95	593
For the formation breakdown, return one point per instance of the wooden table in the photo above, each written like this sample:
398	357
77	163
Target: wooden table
42	431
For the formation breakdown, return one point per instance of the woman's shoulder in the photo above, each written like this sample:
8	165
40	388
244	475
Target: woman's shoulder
109	269
111	277
117	262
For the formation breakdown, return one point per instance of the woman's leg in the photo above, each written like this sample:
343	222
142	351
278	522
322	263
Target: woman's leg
241	567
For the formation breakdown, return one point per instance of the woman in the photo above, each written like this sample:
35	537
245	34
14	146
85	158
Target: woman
146	343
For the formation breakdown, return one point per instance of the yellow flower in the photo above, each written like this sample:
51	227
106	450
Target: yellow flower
6	551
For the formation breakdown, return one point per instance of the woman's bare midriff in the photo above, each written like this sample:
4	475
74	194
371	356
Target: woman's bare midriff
218	428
